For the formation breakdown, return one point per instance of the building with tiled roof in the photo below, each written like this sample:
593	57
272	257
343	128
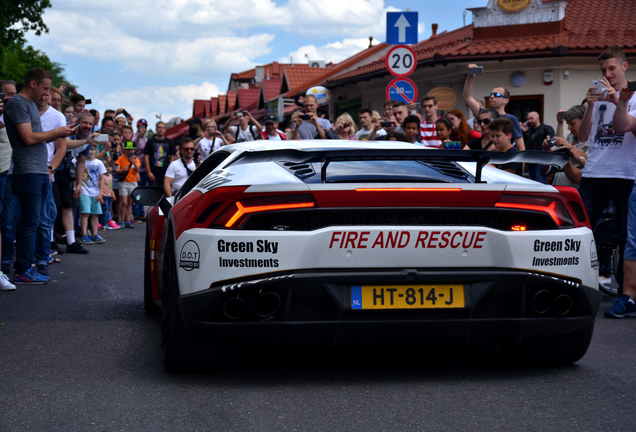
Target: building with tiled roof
545	53
248	97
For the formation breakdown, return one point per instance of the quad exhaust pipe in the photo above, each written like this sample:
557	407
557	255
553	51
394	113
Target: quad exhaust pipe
543	301
261	306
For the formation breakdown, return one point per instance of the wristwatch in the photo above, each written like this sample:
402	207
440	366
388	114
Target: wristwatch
581	158
52	169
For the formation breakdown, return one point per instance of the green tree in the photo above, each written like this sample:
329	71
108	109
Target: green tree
17	17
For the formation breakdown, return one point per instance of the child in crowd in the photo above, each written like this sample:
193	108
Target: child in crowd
411	127
107	198
501	130
126	168
443	129
92	183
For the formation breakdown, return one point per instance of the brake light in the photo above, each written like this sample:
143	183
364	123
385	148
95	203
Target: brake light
554	208
518	227
408	189
235	214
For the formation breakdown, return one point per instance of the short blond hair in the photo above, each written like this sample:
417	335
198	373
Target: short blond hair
347	117
208	121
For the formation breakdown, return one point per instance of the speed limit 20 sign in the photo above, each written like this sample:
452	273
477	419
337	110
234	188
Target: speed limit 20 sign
401	61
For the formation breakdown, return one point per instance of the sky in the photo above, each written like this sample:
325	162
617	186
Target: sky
154	57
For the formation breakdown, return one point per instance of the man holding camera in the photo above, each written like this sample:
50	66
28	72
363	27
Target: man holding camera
309	125
499	98
243	132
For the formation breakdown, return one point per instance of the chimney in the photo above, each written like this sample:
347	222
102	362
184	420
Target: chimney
434	35
275	70
370	41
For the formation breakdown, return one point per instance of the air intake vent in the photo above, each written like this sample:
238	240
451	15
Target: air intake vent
300	170
447	168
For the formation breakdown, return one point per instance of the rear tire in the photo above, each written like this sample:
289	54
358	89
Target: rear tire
149	302
555	349
187	350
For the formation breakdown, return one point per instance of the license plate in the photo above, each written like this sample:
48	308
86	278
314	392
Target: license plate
407	297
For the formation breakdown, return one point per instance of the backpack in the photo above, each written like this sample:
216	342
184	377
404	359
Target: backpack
283	137
249	128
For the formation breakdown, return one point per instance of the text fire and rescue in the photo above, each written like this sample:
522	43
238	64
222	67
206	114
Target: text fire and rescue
402	239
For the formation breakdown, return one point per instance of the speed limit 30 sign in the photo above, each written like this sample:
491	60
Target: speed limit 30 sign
401	61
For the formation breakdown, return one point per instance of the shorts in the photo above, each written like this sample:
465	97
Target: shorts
126	188
63	192
90	205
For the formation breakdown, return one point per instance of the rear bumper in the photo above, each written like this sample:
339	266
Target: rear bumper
315	309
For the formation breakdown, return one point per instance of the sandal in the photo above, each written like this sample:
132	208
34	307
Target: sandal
54	260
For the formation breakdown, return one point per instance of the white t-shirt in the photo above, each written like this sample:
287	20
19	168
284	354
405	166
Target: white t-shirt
51	119
363	134
207	146
177	171
90	181
611	154
244	135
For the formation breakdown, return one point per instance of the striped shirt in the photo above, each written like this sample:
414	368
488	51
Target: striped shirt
428	134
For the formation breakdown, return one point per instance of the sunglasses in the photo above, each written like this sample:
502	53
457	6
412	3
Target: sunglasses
496	94
484	121
188	149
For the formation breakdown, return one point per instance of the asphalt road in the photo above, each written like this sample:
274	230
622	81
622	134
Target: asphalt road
79	354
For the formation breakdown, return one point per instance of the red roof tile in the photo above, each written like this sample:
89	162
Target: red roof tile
586	30
198	108
231	100
222	104
248	97
271	88
296	76
274	70
214	105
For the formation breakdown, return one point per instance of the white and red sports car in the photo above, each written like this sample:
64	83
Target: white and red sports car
328	243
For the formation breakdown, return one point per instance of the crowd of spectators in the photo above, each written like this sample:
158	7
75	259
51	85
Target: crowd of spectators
63	171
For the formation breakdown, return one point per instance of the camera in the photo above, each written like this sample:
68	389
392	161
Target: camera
346	124
2	97
124	112
385	124
240	114
631	86
305	117
552	141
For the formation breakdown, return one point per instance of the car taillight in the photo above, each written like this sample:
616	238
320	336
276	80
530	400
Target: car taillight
554	208
235	214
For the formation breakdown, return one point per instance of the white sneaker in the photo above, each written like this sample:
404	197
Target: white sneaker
5	283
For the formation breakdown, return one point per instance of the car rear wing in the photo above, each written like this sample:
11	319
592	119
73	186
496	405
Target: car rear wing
480	157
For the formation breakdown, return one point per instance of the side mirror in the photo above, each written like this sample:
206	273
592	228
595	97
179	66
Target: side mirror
151	196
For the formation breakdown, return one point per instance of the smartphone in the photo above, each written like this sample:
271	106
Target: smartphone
560	115
631	86
1	96
597	85
88	101
418	108
70	89
305	117
125	113
386	124
102	138
479	70
240	114
453	145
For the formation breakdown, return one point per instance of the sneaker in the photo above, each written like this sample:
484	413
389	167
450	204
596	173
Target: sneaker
621	308
5	283
605	281
122	224
96	239
76	248
129	225
99	226
52	252
142	218
30	277
43	270
85	240
113	225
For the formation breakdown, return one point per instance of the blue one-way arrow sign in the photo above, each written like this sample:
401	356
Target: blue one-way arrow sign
401	28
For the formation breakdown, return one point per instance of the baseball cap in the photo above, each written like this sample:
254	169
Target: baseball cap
130	146
142	122
270	118
194	120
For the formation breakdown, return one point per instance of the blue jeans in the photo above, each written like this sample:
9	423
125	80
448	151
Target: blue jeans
106	216
8	222
43	239
31	190
536	173
137	210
